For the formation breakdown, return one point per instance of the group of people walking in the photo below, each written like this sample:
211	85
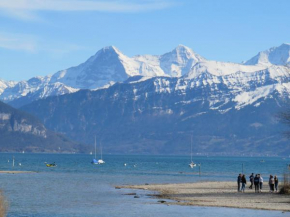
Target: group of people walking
257	181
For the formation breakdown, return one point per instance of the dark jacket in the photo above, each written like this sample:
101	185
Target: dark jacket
244	180
256	180
239	179
251	178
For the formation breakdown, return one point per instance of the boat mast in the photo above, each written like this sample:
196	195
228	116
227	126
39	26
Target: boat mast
191	149
101	151
95	147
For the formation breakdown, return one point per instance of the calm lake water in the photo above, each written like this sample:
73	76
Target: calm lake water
76	188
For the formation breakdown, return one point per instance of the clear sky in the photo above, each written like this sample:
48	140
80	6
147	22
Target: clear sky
40	37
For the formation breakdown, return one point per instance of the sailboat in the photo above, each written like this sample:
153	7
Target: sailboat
94	161
100	161
191	165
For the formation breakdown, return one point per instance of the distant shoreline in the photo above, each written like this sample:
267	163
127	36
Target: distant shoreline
15	172
258	156
217	194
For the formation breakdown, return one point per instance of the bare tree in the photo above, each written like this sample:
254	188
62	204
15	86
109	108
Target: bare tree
3	205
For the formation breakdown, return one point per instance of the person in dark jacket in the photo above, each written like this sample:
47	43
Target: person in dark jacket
239	180
251	180
257	183
276	181
244	182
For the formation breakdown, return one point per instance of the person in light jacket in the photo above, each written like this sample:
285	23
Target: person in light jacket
271	183
261	182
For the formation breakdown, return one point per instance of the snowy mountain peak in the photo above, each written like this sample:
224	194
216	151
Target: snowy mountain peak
179	61
6	84
183	51
105	51
286	44
273	56
182	47
110	49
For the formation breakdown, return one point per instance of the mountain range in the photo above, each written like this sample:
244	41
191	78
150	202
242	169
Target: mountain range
154	104
109	66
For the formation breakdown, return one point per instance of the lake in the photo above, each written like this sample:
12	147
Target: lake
76	188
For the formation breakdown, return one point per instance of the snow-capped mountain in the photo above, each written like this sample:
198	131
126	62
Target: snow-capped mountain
6	84
275	55
109	65
33	89
226	107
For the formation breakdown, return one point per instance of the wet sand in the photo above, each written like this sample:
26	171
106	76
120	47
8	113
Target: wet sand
218	194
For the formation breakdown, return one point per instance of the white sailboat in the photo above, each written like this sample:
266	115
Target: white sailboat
191	165
94	161
100	161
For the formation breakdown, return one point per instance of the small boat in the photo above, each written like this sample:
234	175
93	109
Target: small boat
51	165
91	153
95	161
100	161
191	165
262	161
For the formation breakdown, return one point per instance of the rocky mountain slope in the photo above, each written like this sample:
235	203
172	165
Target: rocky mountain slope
20	131
159	115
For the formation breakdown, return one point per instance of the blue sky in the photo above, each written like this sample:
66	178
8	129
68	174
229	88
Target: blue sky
40	37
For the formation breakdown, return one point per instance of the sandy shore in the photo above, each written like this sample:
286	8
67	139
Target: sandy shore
15	172
218	194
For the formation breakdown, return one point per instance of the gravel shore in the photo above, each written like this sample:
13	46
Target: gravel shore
218	194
